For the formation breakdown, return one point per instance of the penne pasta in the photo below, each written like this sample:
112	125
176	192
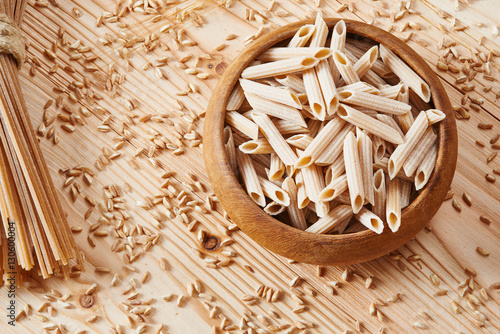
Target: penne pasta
274	192
391	92
320	142
285	127
336	187
345	67
291	81
379	68
275	94
359	86
274	208
405	121
401	153
230	149
369	124
313	181
320	34
276	168
425	169
370	76
434	116
365	63
334	149
327	85
353	172
374	102
302	199
370	220
302	36
405	73
337	42
242	124
275	138
279	67
421	149
259	146
393	204
336	169
314	95
235	99
383	164
250	178
366	162
280	53
389	120
405	192
295	214
378	148
332	219
275	109
300	141
379	194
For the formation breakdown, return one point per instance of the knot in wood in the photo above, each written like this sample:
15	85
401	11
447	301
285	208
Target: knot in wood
87	301
220	68
211	243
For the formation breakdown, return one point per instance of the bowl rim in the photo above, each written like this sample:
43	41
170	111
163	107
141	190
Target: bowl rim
325	249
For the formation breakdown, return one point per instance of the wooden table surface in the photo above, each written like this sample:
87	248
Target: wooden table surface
152	273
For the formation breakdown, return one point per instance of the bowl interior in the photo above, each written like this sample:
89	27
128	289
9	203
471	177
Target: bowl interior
319	248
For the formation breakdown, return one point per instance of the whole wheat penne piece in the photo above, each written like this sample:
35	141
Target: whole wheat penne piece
370	76
259	146
332	219
313	181
274	192
334	149
320	142
390	91
276	94
406	120
314	126
425	169
365	63
366	161
389	120
322	208
369	124
285	127
359	86
435	116
320	34
242	124
250	178
417	156
291	81
273	208
337	42
280	53
279	67
296	215
276	168
345	67
327	85
342	226
314	95
405	73
370	220
275	109
384	165
374	102
336	187
230	149
401	153
335	170
353	172
300	141
393	204
379	68
378	148
405	192
302	36
379	194
280	146
302	199
235	99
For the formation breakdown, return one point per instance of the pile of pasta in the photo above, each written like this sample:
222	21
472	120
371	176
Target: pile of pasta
319	137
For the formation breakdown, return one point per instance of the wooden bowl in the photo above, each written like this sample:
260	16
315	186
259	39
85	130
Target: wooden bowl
324	249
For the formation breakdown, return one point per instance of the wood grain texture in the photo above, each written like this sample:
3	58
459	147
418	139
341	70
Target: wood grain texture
325	249
338	305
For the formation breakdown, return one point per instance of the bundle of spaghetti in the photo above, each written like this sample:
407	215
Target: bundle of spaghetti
35	233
